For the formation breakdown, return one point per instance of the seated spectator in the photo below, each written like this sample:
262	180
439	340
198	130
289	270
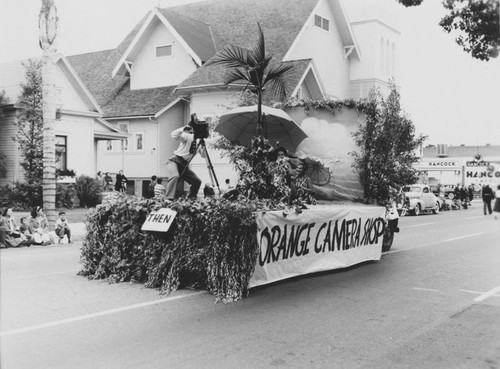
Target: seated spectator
302	186
12	238
40	238
160	188
62	227
24	228
40	225
3	233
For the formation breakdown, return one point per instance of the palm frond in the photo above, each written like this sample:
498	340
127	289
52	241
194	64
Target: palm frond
279	79
235	75
231	56
258	53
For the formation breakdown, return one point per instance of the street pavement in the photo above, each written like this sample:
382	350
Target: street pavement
433	301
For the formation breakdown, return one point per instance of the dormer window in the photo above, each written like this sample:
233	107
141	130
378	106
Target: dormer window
164	50
321	22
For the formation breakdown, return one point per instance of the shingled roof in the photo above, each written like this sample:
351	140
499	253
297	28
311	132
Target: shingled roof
235	22
130	103
114	94
196	34
205	26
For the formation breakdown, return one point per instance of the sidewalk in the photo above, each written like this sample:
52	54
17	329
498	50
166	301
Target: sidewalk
77	231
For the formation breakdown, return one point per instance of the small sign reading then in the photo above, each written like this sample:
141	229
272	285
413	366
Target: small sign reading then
159	221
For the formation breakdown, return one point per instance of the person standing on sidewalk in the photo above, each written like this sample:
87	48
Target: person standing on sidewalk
487	196
496	207
121	182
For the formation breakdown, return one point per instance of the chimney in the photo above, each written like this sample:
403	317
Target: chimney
442	150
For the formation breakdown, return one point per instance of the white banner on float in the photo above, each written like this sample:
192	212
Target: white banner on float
318	239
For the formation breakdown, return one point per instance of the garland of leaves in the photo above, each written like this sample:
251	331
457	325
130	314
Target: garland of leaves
212	244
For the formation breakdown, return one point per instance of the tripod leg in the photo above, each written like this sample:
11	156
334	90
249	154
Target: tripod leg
210	166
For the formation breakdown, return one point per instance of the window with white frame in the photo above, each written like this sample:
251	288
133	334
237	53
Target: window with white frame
164	50
321	22
123	127
109	145
138	141
61	152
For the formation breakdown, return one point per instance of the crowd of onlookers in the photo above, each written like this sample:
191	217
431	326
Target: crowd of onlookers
31	230
462	196
106	181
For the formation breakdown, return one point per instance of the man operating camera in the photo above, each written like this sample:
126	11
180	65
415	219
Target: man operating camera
178	165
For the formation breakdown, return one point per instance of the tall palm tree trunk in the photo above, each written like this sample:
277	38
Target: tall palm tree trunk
259	115
48	22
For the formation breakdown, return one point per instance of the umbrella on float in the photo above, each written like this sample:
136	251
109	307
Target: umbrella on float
240	126
318	173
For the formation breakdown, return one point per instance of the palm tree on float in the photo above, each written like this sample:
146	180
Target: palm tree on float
255	67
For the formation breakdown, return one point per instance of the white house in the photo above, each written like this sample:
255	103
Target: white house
79	124
151	83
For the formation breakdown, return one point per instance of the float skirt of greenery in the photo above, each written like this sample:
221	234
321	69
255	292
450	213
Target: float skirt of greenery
212	245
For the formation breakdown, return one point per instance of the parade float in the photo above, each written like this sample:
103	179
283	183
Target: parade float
357	152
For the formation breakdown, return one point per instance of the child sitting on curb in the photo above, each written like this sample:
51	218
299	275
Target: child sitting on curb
62	227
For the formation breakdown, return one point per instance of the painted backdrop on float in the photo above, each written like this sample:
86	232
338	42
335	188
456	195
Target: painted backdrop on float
330	140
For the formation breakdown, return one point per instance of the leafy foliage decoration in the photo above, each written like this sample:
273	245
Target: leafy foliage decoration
212	245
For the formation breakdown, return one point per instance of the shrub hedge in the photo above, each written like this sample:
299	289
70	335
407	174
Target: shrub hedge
212	245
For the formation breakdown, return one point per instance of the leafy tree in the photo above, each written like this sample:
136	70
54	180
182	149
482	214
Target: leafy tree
29	133
478	22
387	148
255	67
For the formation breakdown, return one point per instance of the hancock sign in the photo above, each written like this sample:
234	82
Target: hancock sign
441	164
482	175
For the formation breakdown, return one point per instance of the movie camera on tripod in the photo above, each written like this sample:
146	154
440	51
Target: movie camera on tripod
201	131
200	127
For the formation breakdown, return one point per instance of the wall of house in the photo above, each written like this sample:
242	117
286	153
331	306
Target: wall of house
149	71
9	148
80	142
214	103
67	96
135	163
174	118
327	50
376	30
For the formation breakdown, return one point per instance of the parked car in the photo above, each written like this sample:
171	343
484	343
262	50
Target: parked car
417	198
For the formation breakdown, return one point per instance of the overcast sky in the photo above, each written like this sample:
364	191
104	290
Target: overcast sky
451	97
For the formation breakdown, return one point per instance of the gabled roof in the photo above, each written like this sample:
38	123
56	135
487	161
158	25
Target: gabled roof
95	68
205	27
235	22
344	27
197	34
12	75
306	67
194	36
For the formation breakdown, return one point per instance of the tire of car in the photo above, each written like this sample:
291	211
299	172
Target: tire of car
387	239
436	210
416	210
